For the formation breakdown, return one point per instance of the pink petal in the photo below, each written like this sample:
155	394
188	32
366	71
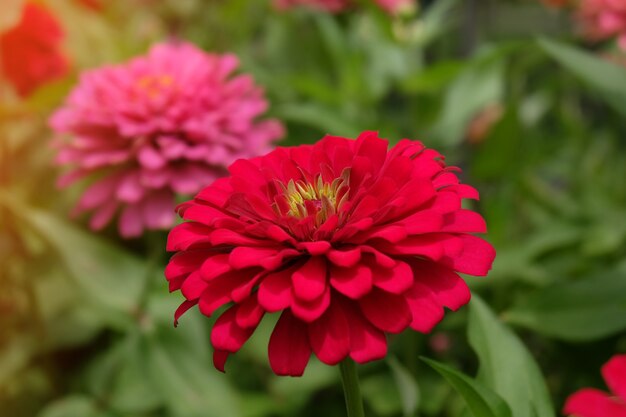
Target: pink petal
289	350
103	215
130	222
158	210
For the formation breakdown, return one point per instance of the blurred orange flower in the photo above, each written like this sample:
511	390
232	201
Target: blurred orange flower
30	52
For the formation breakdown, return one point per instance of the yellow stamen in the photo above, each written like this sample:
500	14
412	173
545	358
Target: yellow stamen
326	197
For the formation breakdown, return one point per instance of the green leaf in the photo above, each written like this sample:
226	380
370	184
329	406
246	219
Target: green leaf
506	365
480	400
319	117
73	406
178	365
608	78
406	385
481	84
109	276
596	71
583	310
381	394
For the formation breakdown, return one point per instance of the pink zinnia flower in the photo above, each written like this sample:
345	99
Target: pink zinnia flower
604	19
591	402
350	241
162	124
336	6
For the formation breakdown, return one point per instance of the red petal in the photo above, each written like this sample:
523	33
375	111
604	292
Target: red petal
310	311
215	266
219	359
249	313
352	282
309	281
275	291
430	246
476	257
614	373
425	308
218	291
232	238
450	290
388	312
423	221
315	248
330	336
194	286
593	403
464	221
289	348
367	343
345	258
227	334
245	257
186	235
395	280
182	309
184	263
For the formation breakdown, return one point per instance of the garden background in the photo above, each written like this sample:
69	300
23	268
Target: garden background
513	92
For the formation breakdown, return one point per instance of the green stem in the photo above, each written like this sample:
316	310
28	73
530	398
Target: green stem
351	388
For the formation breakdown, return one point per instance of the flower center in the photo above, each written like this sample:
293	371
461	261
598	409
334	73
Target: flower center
153	85
319	198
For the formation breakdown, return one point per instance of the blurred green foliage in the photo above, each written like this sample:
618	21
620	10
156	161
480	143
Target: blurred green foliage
533	116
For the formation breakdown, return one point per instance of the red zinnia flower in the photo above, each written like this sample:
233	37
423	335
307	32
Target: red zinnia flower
348	240
591	402
30	53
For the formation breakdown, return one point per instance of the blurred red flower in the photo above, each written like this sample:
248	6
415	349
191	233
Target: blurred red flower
30	53
163	124
349	240
591	402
